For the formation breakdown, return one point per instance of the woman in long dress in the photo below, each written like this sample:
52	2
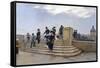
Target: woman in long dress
50	40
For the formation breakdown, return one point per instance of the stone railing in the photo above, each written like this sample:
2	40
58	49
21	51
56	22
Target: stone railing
88	46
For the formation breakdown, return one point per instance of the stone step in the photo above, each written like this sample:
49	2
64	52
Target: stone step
58	42
71	48
58	50
66	49
62	54
67	54
61	51
63	46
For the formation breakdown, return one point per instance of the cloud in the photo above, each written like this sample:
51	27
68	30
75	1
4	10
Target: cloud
36	7
82	12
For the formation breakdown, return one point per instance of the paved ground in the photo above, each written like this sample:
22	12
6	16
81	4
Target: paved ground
24	58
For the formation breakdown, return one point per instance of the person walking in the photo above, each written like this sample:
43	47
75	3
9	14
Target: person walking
38	36
50	41
27	42
47	31
61	31
28	37
33	40
54	31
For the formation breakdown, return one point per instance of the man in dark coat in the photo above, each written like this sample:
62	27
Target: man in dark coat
47	31
54	31
38	36
61	31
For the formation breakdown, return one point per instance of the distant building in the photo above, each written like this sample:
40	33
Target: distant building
93	33
78	36
85	37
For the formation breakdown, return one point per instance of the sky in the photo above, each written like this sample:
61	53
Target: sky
30	17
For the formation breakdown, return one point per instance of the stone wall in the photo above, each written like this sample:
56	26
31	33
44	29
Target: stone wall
87	46
20	38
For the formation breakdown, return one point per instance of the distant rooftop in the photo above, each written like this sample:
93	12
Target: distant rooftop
92	29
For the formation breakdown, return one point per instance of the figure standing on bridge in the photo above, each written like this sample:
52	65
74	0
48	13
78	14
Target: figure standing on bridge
27	40
54	31
38	36
33	40
47	31
28	37
61	31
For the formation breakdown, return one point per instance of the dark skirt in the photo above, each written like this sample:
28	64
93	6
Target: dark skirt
50	46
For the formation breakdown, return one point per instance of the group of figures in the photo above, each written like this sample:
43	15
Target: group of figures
34	38
49	35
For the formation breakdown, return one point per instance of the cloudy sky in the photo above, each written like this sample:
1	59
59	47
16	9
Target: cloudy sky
33	16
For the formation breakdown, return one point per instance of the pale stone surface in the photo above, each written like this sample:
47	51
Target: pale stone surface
87	46
25	58
67	36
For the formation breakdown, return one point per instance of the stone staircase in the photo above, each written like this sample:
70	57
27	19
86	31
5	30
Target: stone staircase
61	51
58	50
